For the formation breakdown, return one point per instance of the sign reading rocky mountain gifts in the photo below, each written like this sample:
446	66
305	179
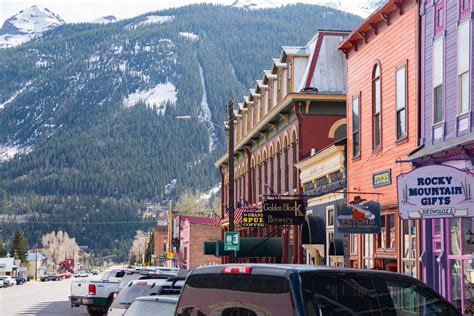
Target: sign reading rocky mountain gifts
435	191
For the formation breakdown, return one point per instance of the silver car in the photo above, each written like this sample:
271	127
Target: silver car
153	305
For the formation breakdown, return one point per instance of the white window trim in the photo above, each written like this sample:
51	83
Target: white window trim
462	71
439	83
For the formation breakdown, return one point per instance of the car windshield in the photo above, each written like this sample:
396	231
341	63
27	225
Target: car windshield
127	278
150	308
235	294
128	294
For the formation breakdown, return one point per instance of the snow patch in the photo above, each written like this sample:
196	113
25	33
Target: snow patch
154	98
152	19
170	187
190	36
206	196
206	114
105	20
7	153
14	95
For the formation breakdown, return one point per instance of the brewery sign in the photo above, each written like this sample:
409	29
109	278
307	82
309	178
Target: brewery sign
252	219
284	212
435	191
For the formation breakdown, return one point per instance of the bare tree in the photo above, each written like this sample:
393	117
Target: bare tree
60	246
139	244
189	204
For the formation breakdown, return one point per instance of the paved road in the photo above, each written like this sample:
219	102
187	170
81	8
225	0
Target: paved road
38	298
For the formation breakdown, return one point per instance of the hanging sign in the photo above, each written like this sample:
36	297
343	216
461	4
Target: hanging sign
359	218
284	212
252	219
382	178
435	191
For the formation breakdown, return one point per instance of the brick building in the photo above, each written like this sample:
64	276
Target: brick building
288	113
382	92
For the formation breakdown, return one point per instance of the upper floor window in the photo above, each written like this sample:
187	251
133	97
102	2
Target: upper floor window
439	16
377	102
355	127
438	66
464	7
463	68
401	100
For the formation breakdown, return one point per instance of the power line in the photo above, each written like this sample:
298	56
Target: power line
75	223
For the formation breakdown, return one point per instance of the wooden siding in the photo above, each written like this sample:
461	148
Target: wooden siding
450	80
387	48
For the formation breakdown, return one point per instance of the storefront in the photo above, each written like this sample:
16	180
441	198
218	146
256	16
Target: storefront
323	177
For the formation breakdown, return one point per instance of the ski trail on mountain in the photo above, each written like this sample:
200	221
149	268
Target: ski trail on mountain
205	112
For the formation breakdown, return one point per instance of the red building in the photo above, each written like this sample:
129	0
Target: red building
290	112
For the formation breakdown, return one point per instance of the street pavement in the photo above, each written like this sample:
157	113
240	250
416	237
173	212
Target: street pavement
38	298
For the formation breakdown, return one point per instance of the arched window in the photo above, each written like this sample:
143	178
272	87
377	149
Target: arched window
287	169
376	107
272	170
260	166
278	189
295	159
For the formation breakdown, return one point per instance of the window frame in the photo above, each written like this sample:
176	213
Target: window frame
353	246
354	132
287	168
437	85
461	73
464	11
385	218
439	6
398	109
295	169
368	244
376	90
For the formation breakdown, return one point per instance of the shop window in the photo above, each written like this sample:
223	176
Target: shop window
368	252
463	67
401	100
386	237
455	236
438	72
353	244
409	247
439	16
376	107
464	7
355	127
437	226
330	217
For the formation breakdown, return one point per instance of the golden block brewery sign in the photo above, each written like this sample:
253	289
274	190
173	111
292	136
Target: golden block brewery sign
252	219
435	192
284	212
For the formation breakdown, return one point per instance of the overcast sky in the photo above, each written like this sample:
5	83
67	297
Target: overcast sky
88	10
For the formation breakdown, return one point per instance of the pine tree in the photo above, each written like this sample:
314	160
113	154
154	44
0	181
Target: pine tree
3	252
19	248
150	249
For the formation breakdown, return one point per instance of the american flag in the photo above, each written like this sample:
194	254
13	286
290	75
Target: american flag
238	212
217	220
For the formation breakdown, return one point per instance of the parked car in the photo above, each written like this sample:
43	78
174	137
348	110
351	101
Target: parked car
255	289
81	274
96	295
95	272
147	285
2	284
20	280
65	275
153	305
50	277
7	280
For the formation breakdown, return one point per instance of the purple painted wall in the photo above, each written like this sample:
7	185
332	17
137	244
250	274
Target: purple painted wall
449	128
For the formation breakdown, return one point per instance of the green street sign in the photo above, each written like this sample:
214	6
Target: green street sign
231	241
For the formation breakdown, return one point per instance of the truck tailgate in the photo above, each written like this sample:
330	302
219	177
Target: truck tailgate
80	288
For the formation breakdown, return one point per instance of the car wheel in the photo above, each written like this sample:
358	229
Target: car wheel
94	311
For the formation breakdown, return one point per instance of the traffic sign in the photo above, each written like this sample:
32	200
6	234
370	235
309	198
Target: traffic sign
231	241
169	255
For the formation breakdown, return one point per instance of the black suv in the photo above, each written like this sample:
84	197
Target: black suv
261	289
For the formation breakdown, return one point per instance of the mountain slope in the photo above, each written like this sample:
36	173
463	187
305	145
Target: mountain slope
95	105
27	24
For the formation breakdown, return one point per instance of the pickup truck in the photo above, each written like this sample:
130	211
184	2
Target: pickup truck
96	295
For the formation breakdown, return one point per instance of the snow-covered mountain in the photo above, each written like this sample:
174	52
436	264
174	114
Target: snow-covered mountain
362	8
105	19
27	24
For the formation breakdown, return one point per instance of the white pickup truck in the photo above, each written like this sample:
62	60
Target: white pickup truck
96	295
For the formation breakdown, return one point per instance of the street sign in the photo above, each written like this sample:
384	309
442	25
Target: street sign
284	212
252	219
231	241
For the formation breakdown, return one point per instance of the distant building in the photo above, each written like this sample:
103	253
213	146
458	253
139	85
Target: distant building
37	263
8	267
194	231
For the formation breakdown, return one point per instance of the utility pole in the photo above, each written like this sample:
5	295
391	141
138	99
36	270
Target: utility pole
230	111
36	262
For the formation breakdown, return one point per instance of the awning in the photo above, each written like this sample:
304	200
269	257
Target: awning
314	231
249	247
336	247
445	145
